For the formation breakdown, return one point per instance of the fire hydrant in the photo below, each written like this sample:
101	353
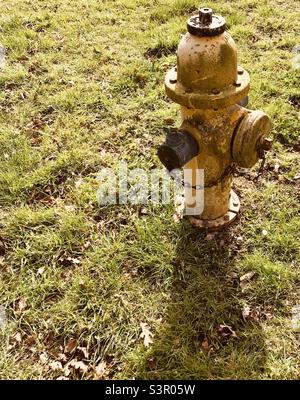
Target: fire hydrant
217	132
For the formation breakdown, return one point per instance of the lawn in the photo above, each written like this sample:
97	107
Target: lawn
82	89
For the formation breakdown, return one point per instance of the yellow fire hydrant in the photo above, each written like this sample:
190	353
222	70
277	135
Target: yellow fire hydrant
217	132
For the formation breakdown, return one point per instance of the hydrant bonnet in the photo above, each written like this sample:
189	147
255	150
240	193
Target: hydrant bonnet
207	74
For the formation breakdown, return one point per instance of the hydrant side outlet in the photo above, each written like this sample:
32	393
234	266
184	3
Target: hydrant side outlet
217	131
179	148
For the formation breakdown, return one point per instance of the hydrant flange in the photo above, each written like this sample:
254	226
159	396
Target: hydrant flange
213	98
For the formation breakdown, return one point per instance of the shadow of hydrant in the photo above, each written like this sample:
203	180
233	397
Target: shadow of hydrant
205	332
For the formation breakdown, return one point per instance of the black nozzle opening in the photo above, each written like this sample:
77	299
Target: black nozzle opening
179	148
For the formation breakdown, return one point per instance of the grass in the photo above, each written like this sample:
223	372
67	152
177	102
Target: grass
82	89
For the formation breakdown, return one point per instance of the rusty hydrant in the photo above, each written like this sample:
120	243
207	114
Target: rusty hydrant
217	132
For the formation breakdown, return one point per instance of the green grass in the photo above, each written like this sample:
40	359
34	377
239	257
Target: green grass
82	89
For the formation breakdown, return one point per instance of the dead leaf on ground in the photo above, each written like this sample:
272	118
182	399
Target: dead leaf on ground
231	276
205	346
15	340
276	168
84	352
71	345
246	279
257	313
152	363
78	365
62	357
100	370
297	176
22	304
73	260
55	366
146	334
2	248
41	270
226	332
144	211
81	284
296	147
43	358
31	340
49	337
17	337
246	312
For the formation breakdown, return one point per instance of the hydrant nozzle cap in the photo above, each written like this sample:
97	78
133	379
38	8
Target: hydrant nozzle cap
205	23
179	148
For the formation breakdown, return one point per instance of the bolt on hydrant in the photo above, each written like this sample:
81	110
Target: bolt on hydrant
217	132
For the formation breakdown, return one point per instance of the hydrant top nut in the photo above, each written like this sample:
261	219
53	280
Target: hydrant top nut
206	23
205	15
